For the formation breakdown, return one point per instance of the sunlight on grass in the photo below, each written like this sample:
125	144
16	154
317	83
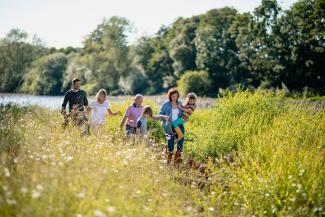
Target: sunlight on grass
265	157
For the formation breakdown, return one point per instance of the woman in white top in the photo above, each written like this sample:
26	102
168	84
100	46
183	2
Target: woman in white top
99	109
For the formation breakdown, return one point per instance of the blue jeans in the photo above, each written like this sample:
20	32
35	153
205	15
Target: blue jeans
171	140
129	130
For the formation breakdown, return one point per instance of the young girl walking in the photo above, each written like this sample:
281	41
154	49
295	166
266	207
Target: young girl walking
99	109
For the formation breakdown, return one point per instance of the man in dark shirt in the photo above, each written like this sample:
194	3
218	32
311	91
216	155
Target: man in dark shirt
77	102
75	97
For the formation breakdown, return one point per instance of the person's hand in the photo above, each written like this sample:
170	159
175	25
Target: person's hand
64	113
166	117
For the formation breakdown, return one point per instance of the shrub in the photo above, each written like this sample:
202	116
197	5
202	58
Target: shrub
195	81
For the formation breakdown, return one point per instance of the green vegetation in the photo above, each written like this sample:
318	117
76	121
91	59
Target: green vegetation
267	49
265	156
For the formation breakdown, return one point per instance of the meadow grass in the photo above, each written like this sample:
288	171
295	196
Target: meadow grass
269	154
265	157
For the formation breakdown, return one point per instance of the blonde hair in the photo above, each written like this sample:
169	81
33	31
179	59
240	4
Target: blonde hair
101	91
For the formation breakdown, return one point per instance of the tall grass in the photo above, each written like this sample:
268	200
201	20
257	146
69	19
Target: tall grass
265	157
58	173
270	155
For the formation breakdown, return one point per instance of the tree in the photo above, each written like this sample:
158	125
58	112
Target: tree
182	47
108	46
16	55
302	34
45	75
213	43
195	81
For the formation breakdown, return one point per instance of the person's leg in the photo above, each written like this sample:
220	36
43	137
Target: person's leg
180	144
177	129
128	131
170	143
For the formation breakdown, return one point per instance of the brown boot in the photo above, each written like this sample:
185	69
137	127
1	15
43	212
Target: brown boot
169	157
178	157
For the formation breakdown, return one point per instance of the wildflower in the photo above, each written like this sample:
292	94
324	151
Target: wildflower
69	158
5	188
7	173
273	209
11	201
36	194
99	213
24	190
81	195
39	187
301	172
111	210
211	209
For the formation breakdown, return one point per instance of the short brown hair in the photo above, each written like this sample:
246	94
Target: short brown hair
75	80
147	110
172	91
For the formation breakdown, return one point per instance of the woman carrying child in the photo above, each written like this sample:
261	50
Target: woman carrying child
178	114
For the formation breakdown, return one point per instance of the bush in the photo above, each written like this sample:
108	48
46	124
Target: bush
236	118
269	152
195	81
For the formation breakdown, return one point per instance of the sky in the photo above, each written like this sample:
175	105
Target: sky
62	23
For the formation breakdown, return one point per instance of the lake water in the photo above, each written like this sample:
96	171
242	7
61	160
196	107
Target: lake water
55	102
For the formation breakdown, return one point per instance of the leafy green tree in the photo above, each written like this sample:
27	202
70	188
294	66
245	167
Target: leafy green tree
45	75
213	43
82	67
302	33
108	46
135	82
195	81
182	47
16	55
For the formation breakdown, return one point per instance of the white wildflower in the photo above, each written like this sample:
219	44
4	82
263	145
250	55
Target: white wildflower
111	210
99	213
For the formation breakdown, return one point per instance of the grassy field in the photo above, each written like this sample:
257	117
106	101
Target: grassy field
265	157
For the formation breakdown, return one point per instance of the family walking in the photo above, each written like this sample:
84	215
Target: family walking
173	114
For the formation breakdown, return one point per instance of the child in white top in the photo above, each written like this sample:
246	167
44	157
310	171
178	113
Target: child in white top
99	109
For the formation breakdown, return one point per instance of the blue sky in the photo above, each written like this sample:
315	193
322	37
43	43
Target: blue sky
61	23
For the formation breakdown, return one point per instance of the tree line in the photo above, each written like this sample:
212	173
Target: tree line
221	49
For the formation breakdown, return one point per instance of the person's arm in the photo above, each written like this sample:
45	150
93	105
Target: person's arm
184	109
64	104
159	117
126	115
86	102
89	108
113	113
123	121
